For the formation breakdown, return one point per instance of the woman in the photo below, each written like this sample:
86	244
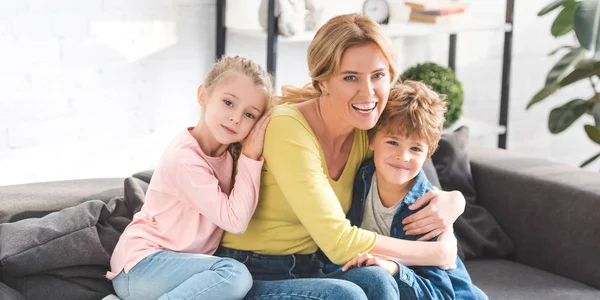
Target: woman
312	151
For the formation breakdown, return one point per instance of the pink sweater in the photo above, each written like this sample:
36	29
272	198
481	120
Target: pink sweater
188	204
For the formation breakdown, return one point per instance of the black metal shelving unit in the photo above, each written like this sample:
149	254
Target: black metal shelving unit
272	38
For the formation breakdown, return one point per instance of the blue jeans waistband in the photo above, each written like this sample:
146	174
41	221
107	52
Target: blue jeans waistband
276	267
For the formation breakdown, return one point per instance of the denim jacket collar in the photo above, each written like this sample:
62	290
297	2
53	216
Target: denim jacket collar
362	184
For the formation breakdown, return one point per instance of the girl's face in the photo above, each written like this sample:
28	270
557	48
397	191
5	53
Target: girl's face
359	89
232	108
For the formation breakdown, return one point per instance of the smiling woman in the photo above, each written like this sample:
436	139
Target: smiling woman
314	145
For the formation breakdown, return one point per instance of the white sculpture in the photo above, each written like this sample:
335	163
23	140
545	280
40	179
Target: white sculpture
295	16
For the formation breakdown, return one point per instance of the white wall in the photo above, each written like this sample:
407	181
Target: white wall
97	88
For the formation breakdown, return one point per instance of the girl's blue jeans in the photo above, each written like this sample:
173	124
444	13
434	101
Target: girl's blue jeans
183	276
301	277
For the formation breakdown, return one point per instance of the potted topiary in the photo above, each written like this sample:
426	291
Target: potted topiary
443	81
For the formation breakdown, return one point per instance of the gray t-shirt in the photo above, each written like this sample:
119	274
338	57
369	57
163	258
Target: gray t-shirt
376	217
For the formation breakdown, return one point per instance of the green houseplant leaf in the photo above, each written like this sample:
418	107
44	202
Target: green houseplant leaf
552	6
586	25
596	114
593	132
559	71
542	94
563	116
583	70
563	23
560	48
590	160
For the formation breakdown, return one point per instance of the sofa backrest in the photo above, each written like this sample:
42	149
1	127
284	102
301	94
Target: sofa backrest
31	200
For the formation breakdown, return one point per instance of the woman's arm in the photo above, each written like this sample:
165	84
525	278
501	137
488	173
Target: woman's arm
442	210
441	253
292	156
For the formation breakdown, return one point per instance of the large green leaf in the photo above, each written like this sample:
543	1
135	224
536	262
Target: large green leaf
563	116
596	114
590	160
593	132
563	23
552	6
587	24
583	70
560	69
542	94
560	48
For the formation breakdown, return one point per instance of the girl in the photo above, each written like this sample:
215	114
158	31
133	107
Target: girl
166	251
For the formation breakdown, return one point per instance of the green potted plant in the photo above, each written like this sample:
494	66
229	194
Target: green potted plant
579	62
443	81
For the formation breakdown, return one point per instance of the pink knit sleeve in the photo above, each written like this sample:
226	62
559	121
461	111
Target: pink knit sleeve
200	188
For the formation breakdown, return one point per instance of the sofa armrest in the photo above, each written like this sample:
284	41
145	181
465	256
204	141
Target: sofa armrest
551	211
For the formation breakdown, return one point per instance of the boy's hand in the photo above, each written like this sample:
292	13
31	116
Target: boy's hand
252	146
366	259
443	208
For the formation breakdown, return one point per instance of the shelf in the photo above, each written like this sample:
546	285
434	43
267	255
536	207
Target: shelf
409	29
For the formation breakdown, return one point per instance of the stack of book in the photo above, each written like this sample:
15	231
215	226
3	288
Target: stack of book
436	11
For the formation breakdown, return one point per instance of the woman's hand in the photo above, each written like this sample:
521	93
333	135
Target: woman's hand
366	259
443	208
448	250
252	146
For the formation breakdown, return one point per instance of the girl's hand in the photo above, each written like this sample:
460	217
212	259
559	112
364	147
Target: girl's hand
443	208
449	249
366	259
252	146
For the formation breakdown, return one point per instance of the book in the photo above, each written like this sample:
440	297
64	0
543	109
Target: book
435	4
441	12
426	18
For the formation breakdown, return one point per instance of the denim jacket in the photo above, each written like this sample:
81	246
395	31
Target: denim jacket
414	282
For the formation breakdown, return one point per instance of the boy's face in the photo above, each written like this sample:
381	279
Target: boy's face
397	159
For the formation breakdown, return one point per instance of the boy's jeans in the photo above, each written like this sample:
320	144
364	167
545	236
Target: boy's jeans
171	275
300	277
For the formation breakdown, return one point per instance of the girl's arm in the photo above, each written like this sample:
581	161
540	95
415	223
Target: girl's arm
230	212
199	187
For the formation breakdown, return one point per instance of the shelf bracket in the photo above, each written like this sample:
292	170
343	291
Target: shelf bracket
506	64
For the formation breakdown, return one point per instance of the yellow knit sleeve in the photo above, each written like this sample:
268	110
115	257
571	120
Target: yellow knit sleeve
292	154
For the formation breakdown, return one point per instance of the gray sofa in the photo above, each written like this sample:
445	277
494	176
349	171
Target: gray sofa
550	211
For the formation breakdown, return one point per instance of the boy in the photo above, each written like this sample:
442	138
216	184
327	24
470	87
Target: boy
406	134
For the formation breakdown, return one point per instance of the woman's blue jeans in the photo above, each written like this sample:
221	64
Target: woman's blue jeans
300	277
167	275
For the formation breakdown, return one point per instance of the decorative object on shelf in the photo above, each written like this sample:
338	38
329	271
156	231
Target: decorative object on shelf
436	12
295	16
443	81
580	62
378	10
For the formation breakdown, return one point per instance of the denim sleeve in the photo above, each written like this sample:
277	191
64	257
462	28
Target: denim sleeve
435	283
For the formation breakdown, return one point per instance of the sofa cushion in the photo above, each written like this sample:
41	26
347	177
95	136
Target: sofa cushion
431	174
134	193
65	252
144	175
504	279
477	231
35	200
7	293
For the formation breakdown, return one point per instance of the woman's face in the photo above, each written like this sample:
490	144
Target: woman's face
359	90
